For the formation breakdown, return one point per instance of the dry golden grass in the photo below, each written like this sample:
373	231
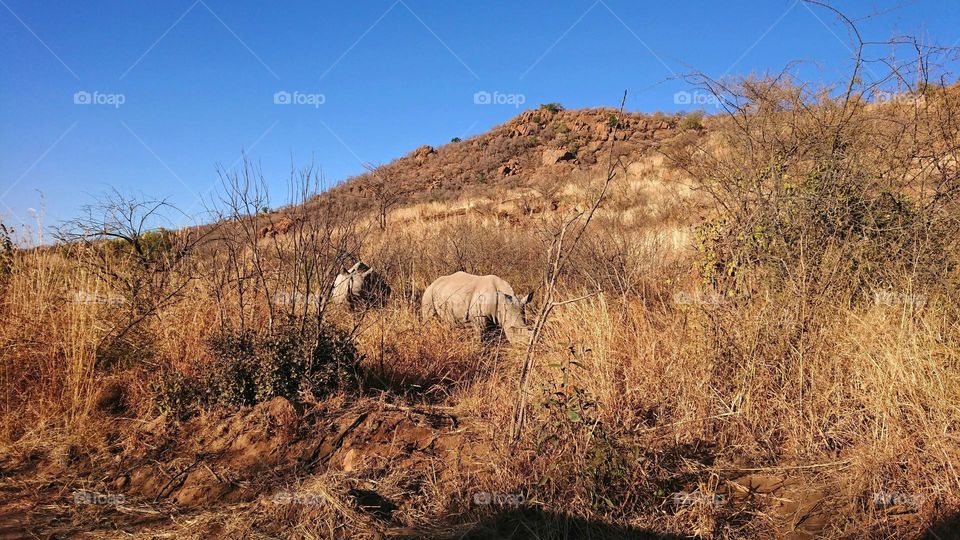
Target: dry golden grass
637	394
870	405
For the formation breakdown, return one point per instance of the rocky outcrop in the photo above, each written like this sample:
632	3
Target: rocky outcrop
514	152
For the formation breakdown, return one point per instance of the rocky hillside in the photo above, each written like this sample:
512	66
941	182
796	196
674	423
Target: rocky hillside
545	141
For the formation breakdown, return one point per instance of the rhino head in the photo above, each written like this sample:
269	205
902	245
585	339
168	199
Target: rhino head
360	286
511	317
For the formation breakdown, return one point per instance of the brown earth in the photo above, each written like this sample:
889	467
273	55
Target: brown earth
168	472
163	469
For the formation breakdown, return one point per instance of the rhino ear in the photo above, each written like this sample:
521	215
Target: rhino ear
526	299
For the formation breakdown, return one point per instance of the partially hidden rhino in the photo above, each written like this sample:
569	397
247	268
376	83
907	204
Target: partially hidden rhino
486	303
360	287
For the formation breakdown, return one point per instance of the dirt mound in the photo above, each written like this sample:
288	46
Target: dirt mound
164	468
240	457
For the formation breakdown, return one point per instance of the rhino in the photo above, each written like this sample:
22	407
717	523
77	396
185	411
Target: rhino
360	287
486	303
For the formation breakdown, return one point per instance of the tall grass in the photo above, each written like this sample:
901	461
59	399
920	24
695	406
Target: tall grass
774	359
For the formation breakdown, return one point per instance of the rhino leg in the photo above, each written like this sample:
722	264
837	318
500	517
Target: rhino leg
427	309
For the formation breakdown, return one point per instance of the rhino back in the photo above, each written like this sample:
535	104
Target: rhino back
467	298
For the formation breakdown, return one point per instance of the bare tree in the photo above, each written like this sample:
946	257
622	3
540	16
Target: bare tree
387	193
285	260
122	238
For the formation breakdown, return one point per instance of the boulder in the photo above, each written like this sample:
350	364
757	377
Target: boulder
510	168
423	151
601	131
556	155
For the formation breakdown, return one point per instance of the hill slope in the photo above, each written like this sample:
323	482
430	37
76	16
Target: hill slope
517	153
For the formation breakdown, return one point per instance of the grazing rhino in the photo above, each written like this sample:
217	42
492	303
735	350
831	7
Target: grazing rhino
360	287
487	303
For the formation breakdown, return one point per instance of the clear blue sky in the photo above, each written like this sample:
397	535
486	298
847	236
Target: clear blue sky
197	78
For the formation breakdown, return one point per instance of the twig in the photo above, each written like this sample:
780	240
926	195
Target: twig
557	259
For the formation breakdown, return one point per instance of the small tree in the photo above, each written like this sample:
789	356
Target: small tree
121	238
386	193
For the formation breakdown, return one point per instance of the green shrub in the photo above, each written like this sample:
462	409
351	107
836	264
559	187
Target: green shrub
866	238
250	368
552	107
231	379
291	360
573	421
455	140
693	120
176	394
133	347
150	247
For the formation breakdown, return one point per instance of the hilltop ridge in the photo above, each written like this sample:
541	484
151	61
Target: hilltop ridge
518	152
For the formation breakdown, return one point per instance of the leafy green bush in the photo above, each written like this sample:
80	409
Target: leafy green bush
133	347
231	379
291	360
455	140
819	190
250	368
865	238
572	420
552	107
149	247
176	394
